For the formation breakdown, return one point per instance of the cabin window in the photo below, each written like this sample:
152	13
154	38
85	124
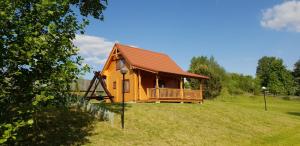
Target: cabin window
120	64
114	85
126	86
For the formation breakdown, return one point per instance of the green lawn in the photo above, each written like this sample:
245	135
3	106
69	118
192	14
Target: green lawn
225	121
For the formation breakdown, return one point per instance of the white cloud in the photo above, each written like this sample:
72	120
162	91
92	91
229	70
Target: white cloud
285	16
93	49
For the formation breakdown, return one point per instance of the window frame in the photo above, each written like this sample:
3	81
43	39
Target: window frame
114	85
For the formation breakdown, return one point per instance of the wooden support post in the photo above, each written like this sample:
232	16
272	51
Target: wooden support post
157	87
96	85
148	93
139	85
181	88
90	86
201	89
136	88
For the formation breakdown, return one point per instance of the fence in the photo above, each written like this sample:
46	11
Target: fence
174	93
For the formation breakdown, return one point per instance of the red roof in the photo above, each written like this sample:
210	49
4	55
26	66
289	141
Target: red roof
152	61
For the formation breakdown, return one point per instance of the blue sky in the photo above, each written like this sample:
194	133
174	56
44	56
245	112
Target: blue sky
236	32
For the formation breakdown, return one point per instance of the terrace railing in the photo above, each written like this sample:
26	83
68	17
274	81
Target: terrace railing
171	93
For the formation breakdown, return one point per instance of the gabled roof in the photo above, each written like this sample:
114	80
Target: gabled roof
152	61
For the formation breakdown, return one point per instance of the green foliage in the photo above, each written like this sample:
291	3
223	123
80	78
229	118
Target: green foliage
187	85
257	88
38	60
274	75
208	67
296	74
225	93
239	84
221	82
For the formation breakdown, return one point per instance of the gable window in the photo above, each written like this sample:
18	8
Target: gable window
114	85
120	64
126	86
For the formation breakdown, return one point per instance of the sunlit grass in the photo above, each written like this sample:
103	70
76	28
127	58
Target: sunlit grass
224	121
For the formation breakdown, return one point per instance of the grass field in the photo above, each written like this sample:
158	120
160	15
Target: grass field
224	121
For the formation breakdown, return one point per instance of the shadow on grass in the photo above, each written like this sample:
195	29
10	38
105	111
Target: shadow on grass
115	107
60	126
294	113
286	98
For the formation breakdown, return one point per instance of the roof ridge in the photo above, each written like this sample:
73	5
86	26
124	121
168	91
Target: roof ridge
142	49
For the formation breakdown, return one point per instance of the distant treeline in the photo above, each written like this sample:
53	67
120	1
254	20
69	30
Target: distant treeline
270	73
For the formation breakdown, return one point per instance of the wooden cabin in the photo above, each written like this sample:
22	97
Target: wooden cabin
151	77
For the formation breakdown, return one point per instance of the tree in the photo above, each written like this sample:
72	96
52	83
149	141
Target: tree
209	67
239	83
38	60
275	86
274	75
296	74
